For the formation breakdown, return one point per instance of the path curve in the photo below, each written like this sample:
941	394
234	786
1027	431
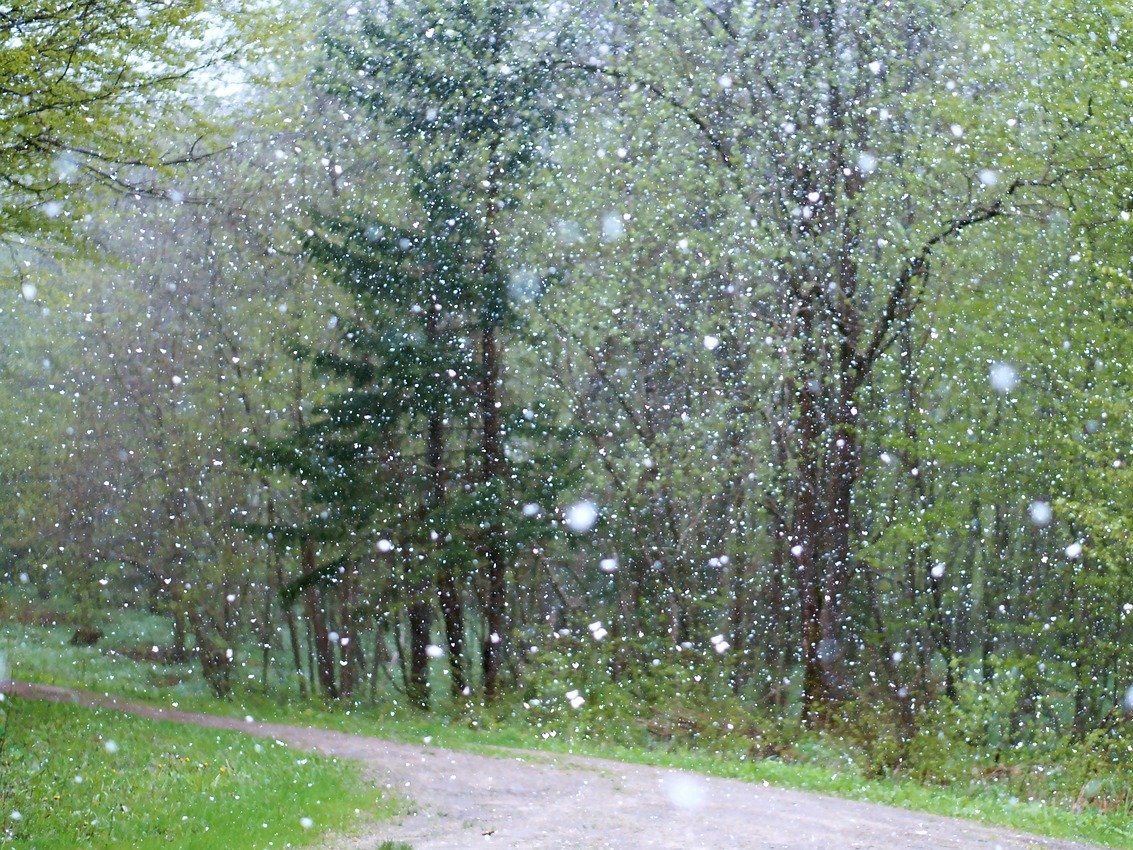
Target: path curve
538	800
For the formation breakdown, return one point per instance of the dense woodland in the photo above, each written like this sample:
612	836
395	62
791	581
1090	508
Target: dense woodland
758	353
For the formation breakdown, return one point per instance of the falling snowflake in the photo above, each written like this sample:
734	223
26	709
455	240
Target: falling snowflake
581	516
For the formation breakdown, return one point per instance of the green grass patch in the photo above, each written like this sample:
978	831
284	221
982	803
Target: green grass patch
80	777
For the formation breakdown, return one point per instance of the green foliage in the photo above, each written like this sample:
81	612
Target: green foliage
84	86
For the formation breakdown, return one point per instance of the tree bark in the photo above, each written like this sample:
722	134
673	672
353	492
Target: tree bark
178	653
806	542
496	603
316	615
420	612
452	605
292	632
348	667
496	637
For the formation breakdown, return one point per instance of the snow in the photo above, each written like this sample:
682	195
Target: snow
581	516
684	791
1003	377
1041	513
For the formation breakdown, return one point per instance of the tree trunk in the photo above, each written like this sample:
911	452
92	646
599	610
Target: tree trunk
324	652
452	611
381	654
806	542
739	626
292	633
452	605
420	613
837	557
178	653
776	641
216	659
495	641
348	668
492	312
265	638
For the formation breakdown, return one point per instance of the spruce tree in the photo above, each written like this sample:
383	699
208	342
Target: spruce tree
462	93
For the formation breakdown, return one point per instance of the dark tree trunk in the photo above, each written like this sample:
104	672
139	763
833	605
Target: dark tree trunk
216	659
420	612
265	638
177	652
452	605
842	455
495	609
316	615
496	639
348	668
776	642
452	612
740	626
265	623
381	653
943	634
837	557
806	541
292	633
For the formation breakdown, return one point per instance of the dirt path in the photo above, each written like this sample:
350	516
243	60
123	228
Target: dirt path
541	800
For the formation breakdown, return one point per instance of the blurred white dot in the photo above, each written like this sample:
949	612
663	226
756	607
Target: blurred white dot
1003	377
683	791
1041	513
581	516
613	227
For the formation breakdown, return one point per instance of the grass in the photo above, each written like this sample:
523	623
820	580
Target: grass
81	777
42	654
